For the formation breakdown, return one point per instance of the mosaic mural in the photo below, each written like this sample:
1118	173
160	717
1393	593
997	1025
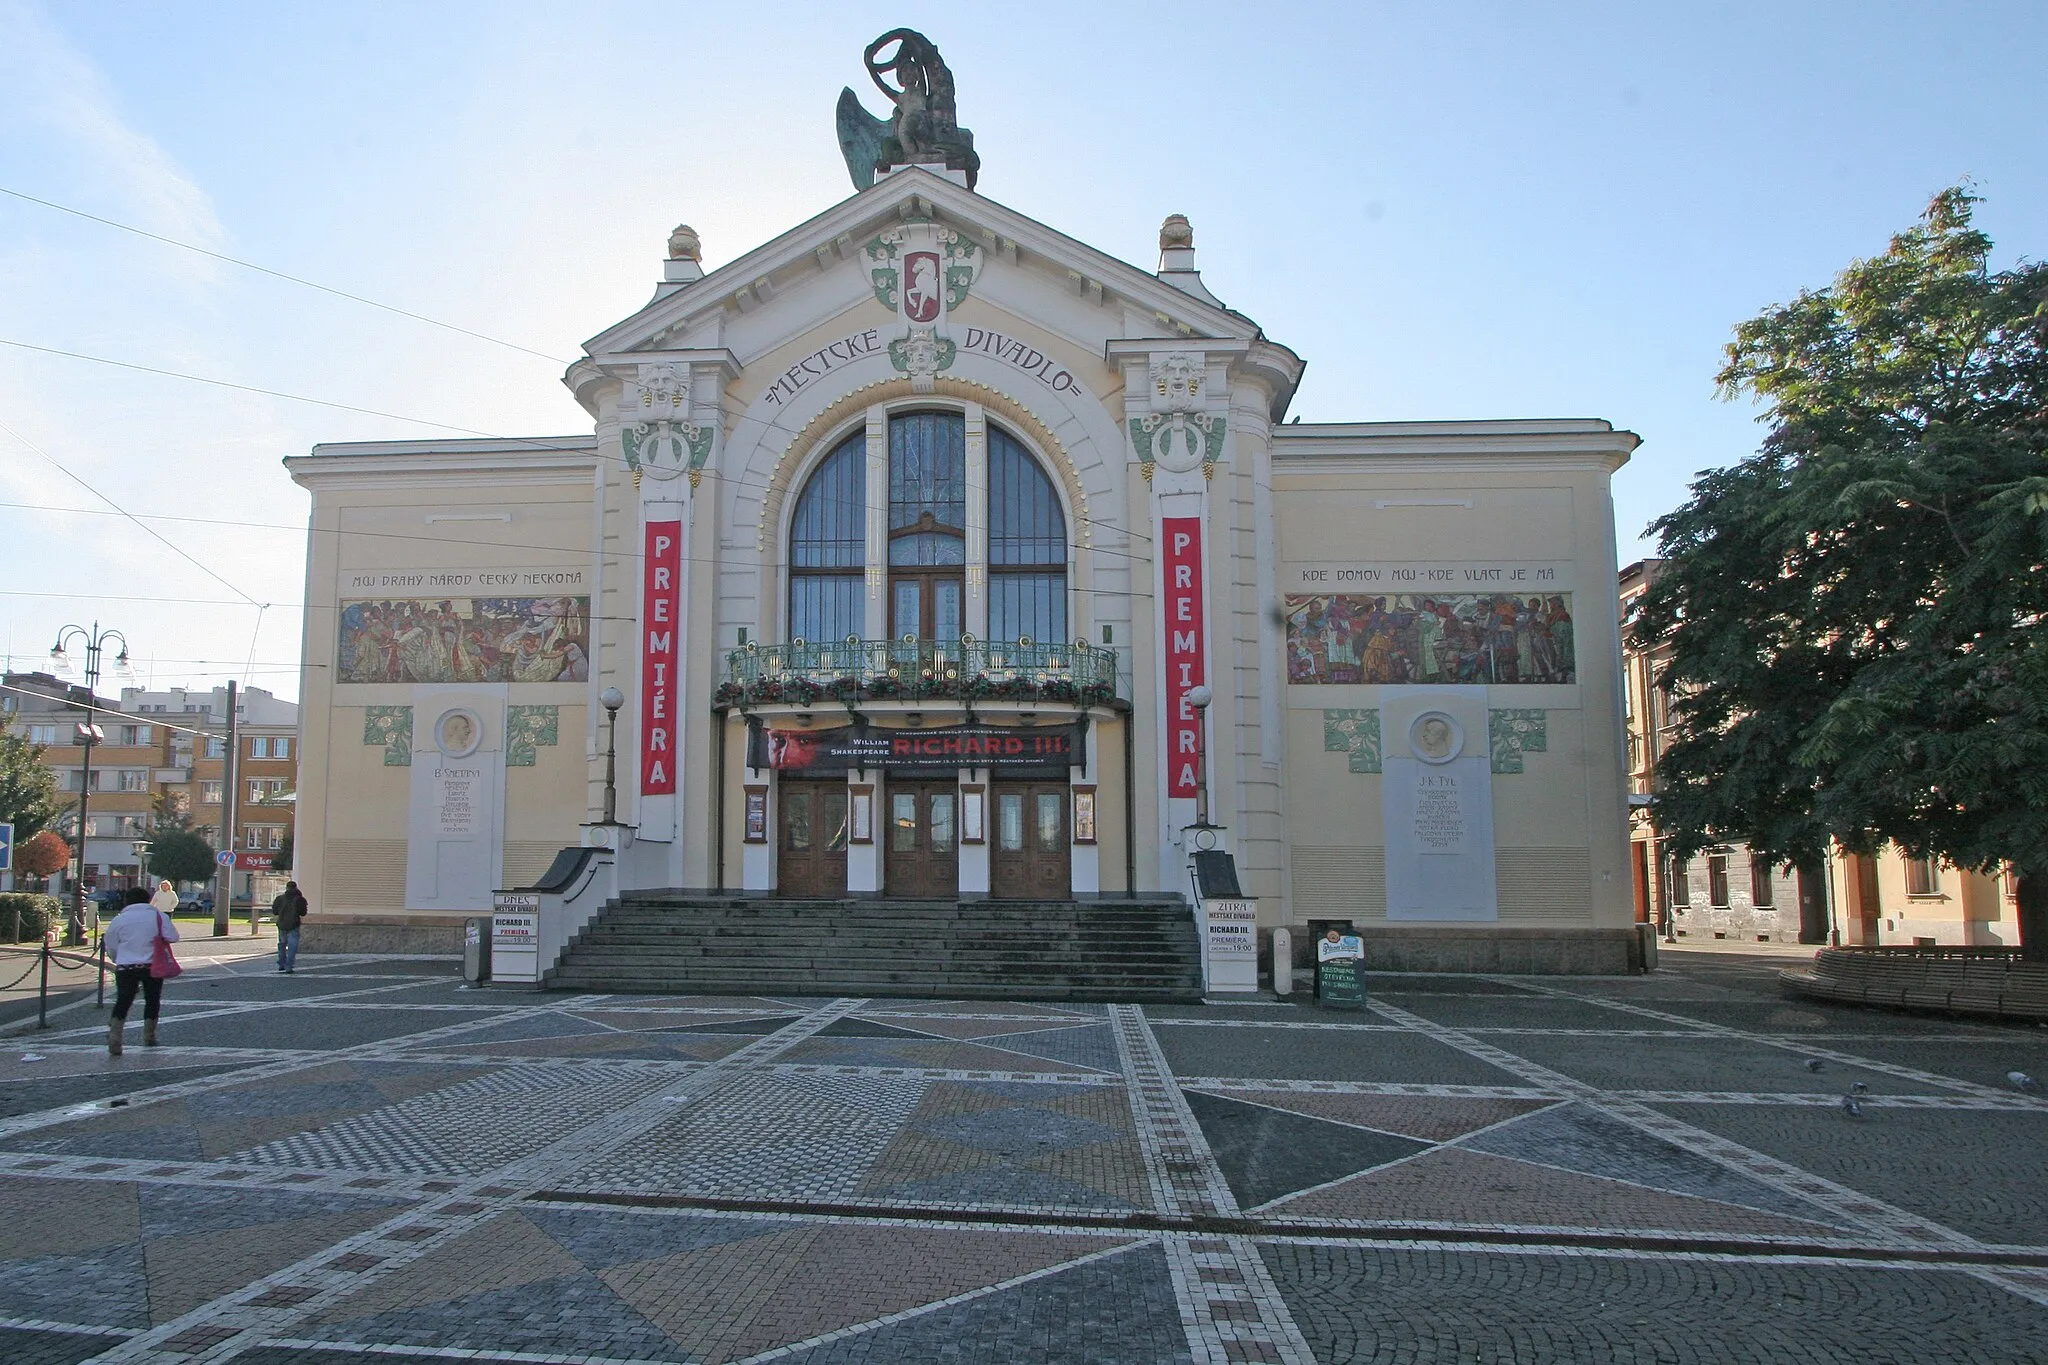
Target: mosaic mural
1430	638
466	639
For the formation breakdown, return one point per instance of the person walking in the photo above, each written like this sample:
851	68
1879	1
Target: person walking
130	940
287	910
166	899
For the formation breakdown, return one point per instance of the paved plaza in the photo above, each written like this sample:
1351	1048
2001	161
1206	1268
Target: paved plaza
367	1161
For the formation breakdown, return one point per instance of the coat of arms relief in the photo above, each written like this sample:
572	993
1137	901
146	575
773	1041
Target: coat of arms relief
921	271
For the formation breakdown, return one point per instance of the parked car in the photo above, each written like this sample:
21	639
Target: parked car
196	903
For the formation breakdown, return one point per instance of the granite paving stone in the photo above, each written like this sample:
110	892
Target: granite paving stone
1266	1153
1091	1045
307	1029
572	1177
104	1288
1579	1137
1983	1059
1119	1310
47	1346
1704	1064
1522	1011
1322	1056
1456	1187
1432	1119
1383	1306
34	1096
1980	1172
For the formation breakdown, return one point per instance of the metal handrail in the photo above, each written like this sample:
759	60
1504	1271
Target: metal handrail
912	668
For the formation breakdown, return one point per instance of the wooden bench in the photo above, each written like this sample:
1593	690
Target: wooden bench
1991	982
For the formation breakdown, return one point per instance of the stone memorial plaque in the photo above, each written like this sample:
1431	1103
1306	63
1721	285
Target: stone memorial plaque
1437	808
460	794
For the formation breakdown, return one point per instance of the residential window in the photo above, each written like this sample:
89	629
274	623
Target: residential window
256	789
42	734
281	747
1717	880
134	779
1681	881
274	837
134	734
1760	891
209	793
259	747
253	837
1923	877
216	747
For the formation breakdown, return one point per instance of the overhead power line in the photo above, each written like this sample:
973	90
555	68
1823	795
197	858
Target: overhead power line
281	275
141	525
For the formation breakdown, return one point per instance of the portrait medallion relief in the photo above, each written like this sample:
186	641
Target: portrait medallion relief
1435	737
458	732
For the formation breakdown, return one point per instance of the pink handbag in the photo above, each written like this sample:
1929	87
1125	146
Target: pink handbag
163	964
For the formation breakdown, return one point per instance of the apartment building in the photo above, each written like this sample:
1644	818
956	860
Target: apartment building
131	762
266	793
160	757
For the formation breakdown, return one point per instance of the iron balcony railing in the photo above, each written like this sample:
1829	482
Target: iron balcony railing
912	669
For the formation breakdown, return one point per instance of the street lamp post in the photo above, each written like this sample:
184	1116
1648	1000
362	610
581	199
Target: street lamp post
1199	696
613	699
95	641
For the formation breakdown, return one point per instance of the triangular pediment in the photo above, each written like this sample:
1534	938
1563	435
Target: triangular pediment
822	246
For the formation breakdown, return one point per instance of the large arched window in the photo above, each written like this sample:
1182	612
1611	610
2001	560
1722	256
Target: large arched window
828	547
1027	546
927	525
925	559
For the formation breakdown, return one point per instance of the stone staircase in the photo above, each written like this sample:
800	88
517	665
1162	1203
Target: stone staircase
671	942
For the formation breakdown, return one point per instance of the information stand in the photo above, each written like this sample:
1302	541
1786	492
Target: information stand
515	936
1340	976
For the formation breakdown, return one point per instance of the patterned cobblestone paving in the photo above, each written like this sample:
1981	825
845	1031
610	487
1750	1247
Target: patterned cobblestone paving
369	1161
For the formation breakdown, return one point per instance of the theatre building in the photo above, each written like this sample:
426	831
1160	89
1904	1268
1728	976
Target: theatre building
935	555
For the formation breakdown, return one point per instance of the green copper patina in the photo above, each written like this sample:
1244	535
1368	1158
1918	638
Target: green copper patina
926	126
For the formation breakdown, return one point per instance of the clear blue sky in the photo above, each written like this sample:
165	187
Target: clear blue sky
1451	210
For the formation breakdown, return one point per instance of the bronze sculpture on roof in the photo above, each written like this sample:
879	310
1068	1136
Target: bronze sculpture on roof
926	126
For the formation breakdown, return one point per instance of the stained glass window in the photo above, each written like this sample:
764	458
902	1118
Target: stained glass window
828	546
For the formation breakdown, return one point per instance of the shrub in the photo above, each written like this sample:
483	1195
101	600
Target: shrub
28	915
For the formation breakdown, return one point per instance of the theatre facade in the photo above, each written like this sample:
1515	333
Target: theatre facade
934	554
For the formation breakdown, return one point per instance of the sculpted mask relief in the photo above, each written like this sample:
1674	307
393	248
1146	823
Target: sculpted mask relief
1177	435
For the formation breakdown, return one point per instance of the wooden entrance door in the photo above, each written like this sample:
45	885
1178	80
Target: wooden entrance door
1868	906
1029	857
813	839
923	856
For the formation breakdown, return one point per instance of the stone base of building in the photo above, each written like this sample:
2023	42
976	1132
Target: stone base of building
434	933
1620	951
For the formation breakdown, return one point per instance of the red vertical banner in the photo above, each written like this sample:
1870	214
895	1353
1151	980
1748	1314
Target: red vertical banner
1181	560
660	610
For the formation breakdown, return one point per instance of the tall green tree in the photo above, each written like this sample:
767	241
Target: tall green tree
28	790
180	855
1856	613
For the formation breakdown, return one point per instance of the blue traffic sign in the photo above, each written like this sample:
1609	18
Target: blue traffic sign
226	857
6	846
